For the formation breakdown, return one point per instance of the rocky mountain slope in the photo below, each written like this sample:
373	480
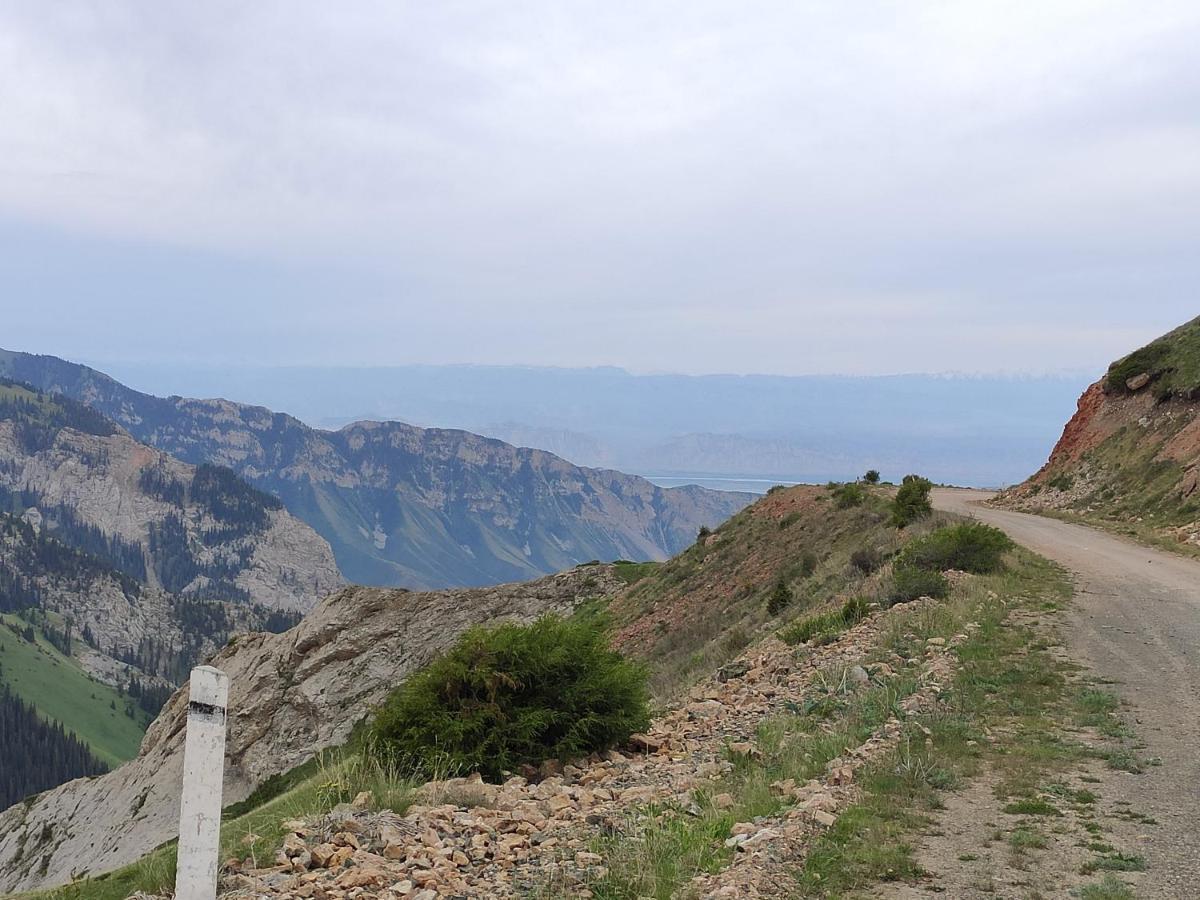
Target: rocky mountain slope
291	695
295	693
121	564
118	628
195	531
794	708
408	506
1130	456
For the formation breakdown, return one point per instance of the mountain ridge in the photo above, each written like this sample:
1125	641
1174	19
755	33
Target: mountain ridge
404	505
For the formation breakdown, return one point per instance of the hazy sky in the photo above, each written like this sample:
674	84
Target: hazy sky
691	186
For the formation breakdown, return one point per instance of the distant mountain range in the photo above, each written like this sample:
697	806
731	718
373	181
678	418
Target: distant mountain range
401	505
966	429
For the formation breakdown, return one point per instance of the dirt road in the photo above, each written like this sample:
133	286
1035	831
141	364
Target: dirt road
1136	620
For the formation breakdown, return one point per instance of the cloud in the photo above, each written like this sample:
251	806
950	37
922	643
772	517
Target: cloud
753	185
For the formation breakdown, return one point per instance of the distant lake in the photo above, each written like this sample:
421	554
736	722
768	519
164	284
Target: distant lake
720	482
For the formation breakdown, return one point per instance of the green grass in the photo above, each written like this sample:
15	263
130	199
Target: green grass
1114	862
1032	807
256	835
1026	837
661	848
61	690
633	572
825	627
1173	361
1111	888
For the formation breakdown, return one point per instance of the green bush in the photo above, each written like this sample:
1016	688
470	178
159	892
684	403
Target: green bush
820	629
808	564
866	560
780	598
971	547
910	582
848	494
911	501
514	694
1063	481
1150	359
854	610
872	476
824	627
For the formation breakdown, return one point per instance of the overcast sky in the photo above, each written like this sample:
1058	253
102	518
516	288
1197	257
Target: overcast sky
687	186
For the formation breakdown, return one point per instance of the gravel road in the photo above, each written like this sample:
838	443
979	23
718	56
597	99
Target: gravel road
1136	621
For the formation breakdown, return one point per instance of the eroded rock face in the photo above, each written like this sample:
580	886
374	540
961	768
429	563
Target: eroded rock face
282	565
291	695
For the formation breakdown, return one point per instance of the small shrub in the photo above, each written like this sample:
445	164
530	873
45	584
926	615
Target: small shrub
703	534
1150	359
970	546
872	476
1032	807
1111	888
1116	862
911	501
847	495
780	599
514	694
1063	481
808	564
819	629
910	583
854	610
866	560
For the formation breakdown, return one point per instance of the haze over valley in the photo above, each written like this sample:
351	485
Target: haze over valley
588	450
984	430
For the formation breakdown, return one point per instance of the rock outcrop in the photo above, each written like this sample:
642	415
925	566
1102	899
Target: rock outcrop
99	479
408	506
1130	456
292	694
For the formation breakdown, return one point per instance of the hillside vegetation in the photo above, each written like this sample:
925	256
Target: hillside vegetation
1170	364
800	767
793	551
1129	459
108	720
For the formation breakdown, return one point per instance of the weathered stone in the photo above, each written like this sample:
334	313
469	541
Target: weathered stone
644	743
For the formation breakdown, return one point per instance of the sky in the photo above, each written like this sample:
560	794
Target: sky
775	187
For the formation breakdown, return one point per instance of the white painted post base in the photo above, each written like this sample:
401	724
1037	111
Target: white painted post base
203	775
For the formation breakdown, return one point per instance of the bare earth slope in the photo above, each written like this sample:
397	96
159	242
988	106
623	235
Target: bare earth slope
1136	620
292	694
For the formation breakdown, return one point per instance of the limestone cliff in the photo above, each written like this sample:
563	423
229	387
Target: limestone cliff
193	531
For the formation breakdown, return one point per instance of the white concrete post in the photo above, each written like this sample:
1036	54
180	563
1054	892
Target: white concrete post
203	774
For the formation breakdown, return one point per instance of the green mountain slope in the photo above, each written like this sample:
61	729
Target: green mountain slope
98	714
